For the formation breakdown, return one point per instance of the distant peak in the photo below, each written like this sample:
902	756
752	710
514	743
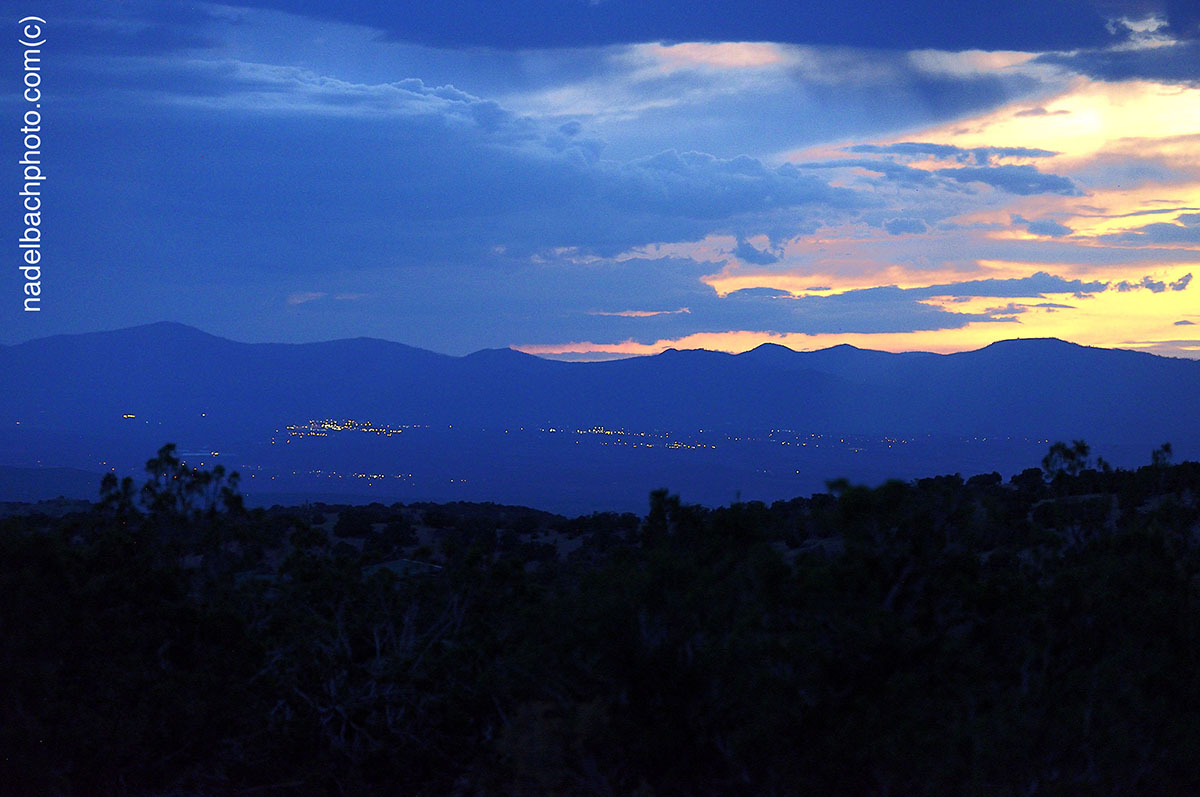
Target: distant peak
160	329
168	326
507	353
849	350
1045	343
672	352
770	347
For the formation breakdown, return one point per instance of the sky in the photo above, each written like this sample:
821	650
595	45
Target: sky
584	179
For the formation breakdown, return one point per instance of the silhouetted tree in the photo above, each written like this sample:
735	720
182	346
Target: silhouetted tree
1064	459
1161	456
175	490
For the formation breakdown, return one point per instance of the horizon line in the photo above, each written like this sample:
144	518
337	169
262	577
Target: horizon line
575	356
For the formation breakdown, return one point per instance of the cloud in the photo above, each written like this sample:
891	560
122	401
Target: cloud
1023	180
885	309
1046	227
1140	163
758	293
759	257
1182	283
263	89
609	208
648	97
981	156
1185	230
1140	33
1178	62
1157	211
1010	309
721	56
1040	111
1184	323
1149	283
1168	348
572	315
1038	284
700	185
469	175
639	313
891	170
904	226
305	297
879	310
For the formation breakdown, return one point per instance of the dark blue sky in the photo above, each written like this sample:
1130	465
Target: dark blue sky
537	24
617	176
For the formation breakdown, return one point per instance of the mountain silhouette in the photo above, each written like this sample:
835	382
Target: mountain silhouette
186	380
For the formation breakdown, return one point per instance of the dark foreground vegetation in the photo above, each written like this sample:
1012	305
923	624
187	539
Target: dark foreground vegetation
1035	636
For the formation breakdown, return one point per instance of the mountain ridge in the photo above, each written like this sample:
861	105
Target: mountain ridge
175	375
180	329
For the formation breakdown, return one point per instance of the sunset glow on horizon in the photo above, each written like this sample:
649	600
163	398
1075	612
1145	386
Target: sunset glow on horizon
1082	131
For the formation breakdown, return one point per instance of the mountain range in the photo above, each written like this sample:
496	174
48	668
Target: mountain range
106	401
191	381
